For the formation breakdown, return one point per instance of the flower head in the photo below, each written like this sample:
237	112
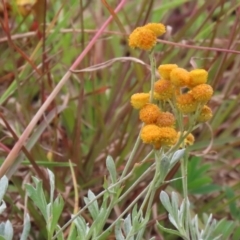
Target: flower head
150	134
202	93
163	89
149	113
168	136
205	114
138	100
165	70
188	140
158	28
186	103
179	77
142	38
198	76
165	119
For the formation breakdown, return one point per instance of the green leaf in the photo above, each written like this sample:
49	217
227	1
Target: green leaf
37	196
236	234
167	230
206	189
97	226
60	235
57	208
224	228
234	210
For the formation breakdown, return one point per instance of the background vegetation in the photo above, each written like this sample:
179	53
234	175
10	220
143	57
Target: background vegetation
91	118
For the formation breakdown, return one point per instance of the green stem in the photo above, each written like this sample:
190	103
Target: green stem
185	192
152	189
136	183
153	69
131	157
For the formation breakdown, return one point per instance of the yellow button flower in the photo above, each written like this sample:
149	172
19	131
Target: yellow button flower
198	76
202	93
149	113
165	70
179	77
150	134
163	89
138	100
205	114
165	119
142	38
158	28
186	103
189	139
168	136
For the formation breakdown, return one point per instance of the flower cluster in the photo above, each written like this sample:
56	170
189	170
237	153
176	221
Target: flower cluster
159	128
188	94
146	37
179	91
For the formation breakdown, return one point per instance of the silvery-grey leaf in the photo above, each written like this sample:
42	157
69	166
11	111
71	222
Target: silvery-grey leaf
208	227
2	206
93	207
175	203
172	220
196	226
176	157
8	231
26	228
81	226
3	186
52	184
165	201
111	168
127	224
118	231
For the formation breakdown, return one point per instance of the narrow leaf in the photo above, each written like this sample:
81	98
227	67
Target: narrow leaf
112	169
118	231
26	228
8	231
2	207
165	201
81	227
127	225
177	156
3	187
57	208
52	184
